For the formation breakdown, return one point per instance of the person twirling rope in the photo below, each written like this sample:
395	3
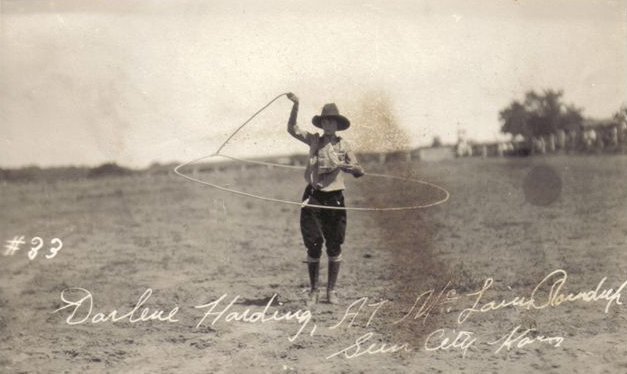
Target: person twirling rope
329	156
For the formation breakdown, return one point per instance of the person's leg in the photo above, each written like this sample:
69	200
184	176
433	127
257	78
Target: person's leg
312	237
334	270
334	229
313	266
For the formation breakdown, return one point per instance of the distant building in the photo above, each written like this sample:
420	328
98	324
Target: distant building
435	153
283	160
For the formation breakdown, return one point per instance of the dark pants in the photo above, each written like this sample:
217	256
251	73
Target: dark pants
323	225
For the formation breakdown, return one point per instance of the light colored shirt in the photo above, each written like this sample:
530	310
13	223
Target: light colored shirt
325	158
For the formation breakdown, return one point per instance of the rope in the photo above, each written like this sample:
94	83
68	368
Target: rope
263	163
248	120
241	193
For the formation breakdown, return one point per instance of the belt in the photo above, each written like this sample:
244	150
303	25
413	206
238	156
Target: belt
312	191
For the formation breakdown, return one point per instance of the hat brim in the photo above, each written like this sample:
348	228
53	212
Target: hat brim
342	122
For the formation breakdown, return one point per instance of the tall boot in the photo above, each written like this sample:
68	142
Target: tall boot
313	265
334	270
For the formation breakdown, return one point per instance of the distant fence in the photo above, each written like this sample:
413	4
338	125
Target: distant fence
595	136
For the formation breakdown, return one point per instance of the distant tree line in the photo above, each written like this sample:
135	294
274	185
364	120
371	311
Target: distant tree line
540	114
38	174
621	114
542	123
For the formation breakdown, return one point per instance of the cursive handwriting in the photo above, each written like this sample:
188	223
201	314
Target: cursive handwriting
302	316
349	313
552	285
516	339
85	306
358	349
430	302
438	340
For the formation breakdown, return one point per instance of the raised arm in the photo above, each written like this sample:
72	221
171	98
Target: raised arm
292	127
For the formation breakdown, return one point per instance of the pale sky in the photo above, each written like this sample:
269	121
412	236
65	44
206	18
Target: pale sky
85	82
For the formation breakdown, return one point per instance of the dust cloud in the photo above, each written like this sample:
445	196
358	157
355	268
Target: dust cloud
375	127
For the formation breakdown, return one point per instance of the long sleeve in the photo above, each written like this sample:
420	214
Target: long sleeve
351	159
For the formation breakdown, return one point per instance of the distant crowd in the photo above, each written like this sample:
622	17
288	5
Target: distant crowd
595	136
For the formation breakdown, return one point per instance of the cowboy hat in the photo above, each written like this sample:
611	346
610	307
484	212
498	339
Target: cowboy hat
331	111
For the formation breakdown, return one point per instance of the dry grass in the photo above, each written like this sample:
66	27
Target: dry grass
191	244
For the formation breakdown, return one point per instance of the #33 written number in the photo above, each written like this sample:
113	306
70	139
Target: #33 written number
38	242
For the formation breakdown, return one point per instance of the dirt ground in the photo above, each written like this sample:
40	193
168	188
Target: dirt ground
512	220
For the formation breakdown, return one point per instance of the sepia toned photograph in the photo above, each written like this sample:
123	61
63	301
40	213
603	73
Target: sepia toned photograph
290	186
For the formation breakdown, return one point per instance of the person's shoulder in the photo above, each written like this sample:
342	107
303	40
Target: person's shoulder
312	138
344	143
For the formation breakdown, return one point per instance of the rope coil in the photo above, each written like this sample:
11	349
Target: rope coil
301	204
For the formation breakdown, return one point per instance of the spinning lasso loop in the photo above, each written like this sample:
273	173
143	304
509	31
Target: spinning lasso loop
445	198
